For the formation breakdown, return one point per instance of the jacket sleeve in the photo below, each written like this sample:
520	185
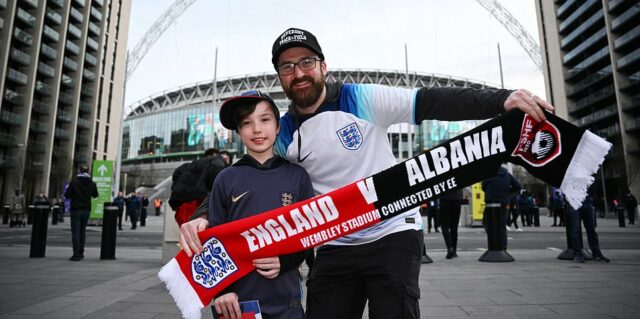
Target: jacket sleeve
456	104
94	190
203	208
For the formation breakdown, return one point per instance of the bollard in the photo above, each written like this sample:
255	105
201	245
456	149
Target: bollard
55	210
30	214
109	231
536	216
40	215
495	228
5	214
621	222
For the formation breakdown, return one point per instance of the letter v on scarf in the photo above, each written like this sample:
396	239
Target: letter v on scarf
555	151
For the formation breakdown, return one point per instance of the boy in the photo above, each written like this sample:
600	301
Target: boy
258	182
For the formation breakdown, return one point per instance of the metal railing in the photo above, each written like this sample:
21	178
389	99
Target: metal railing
17	76
74	31
46	69
51	33
20	56
10	117
48	51
43	88
628	59
74	13
54	16
25	17
22	36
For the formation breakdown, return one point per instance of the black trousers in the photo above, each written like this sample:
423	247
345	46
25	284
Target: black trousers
449	219
384	272
120	213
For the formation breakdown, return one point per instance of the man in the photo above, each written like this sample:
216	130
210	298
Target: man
120	201
586	214
345	139
133	209
143	210
80	191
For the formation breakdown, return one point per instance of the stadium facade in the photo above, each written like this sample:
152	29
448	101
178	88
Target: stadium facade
62	66
165	130
591	57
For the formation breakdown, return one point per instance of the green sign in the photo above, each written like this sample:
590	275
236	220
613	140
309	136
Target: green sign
102	174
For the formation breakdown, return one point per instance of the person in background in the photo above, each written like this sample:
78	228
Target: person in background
450	203
556	207
227	158
157	204
433	210
80	191
630	205
120	202
143	210
586	213
133	209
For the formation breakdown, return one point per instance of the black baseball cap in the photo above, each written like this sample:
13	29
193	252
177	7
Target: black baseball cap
295	37
228	106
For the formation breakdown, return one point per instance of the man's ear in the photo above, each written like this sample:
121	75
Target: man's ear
323	67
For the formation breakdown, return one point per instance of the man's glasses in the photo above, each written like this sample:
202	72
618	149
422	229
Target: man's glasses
305	64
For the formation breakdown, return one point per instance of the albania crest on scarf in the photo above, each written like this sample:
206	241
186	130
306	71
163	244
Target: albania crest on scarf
350	136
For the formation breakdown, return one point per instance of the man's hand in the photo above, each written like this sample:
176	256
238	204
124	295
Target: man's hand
267	267
228	306
189	240
529	103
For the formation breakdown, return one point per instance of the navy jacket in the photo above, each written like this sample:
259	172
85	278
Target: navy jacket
248	188
80	191
498	188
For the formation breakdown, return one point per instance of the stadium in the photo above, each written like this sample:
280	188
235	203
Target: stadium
175	126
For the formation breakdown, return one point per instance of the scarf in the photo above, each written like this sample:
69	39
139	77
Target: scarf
555	151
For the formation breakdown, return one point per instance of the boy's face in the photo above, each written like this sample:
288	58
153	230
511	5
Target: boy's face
258	131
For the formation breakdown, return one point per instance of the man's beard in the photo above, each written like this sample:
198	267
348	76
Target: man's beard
306	97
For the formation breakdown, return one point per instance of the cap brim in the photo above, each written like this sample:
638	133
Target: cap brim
227	107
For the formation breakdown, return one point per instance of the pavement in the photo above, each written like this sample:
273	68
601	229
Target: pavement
536	285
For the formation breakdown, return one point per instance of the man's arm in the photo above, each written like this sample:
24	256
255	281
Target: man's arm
455	104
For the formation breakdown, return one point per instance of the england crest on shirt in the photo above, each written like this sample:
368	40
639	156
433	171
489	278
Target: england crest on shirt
212	265
350	136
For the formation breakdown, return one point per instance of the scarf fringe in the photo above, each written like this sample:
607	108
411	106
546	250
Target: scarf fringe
183	294
586	160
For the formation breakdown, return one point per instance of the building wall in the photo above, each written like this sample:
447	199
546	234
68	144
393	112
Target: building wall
51	65
591	53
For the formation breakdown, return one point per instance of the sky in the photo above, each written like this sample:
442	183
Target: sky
455	37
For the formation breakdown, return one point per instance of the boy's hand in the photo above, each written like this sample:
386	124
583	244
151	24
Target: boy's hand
228	306
189	240
267	267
